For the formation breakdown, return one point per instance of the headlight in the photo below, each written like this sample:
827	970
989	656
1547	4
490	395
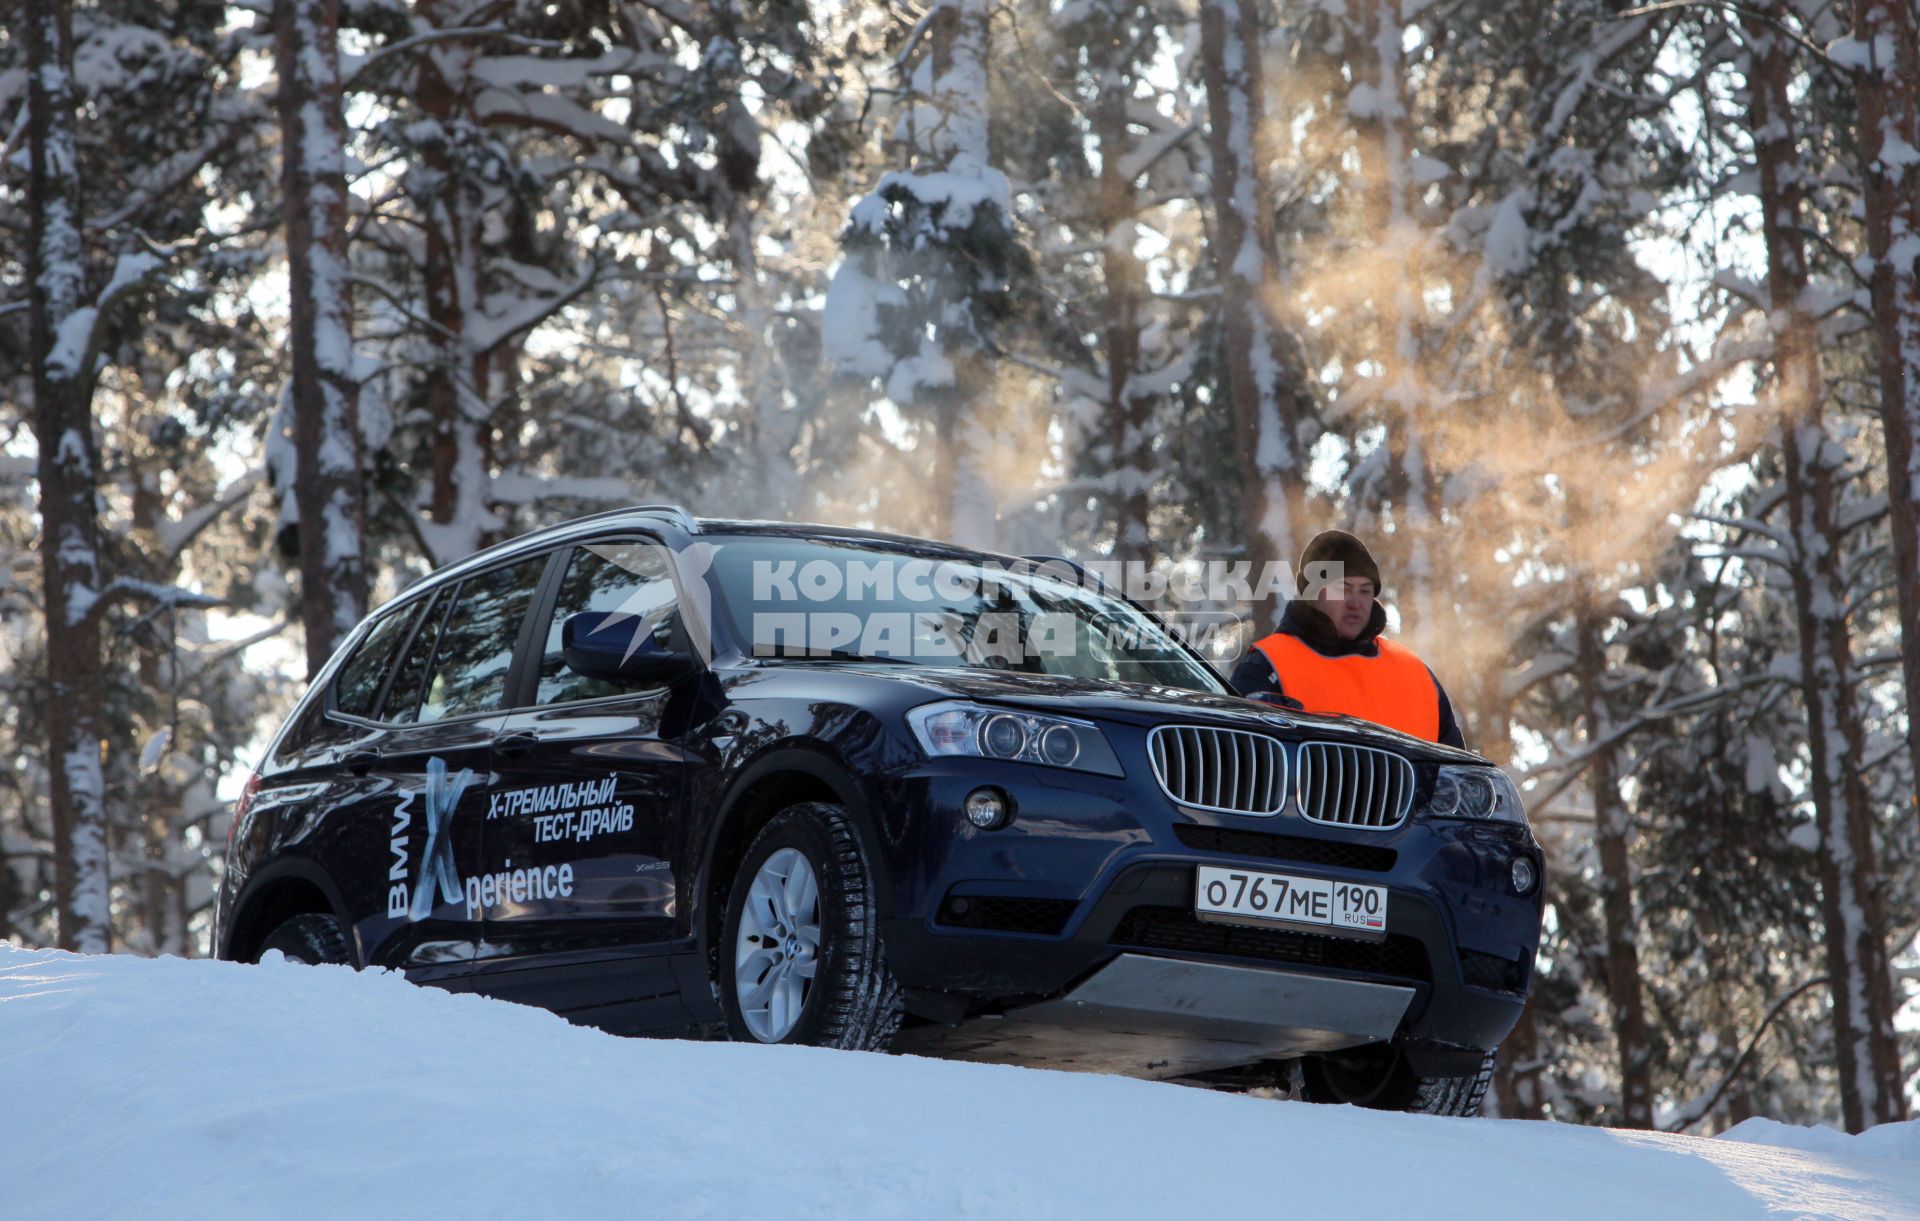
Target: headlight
1475	792
958	728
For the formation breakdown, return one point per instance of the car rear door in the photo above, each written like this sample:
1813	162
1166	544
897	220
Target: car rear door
430	772
587	908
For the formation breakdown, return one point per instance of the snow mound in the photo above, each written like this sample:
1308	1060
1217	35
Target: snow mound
1900	1141
166	1088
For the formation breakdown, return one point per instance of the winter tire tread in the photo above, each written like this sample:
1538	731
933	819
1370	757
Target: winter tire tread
863	1003
1404	1090
310	938
1462	1096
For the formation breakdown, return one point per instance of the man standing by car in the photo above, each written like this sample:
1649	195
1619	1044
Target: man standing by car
1328	654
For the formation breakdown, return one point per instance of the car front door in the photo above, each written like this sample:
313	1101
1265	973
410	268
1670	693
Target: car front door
587	908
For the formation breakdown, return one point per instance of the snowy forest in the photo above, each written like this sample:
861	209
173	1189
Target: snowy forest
1598	319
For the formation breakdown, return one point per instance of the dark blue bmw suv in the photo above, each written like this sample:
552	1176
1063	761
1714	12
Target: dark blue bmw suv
799	784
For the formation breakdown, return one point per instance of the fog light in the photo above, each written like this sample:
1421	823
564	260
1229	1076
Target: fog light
986	808
1523	876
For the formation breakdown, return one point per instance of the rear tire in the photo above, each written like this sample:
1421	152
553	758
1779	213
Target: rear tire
1379	1077
800	959
310	938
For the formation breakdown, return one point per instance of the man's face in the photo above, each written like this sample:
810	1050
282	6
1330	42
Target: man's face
1349	605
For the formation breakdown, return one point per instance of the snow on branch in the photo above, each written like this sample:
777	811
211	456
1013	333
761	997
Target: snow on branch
491	329
1150	153
169	175
175	535
82	602
1545	665
353	68
557	114
77	340
1748	524
159	594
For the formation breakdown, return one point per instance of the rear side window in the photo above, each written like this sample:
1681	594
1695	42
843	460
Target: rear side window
477	640
630	578
403	694
358	686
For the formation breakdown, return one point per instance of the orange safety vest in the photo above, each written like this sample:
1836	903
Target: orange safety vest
1394	688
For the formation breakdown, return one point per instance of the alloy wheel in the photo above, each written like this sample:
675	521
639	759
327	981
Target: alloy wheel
778	949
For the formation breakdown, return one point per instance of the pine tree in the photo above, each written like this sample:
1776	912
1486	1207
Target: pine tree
1852	906
496	116
127	266
930	270
1264	384
1613	835
1886	46
326	437
64	343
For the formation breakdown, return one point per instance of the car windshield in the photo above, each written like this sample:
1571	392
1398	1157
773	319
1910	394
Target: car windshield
844	600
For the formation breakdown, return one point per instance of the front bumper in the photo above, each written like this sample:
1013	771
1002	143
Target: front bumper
995	934
1142	1015
978	981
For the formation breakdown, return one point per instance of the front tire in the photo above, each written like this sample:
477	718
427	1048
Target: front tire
310	938
800	955
1379	1077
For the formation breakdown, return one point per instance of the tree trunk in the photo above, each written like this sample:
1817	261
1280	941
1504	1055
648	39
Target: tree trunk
60	327
961	143
774	424
1613	832
10	895
1375	33
1263	386
1127	412
1517	1092
457	385
1128	415
150	802
1871	1087
326	433
1889	93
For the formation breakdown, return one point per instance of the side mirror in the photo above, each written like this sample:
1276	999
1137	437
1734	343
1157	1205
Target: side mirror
620	648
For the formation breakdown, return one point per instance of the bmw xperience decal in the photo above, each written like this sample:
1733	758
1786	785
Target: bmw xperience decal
413	900
408	898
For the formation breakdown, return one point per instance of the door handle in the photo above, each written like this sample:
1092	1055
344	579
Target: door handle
516	742
360	762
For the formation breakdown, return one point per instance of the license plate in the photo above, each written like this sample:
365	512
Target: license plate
1249	896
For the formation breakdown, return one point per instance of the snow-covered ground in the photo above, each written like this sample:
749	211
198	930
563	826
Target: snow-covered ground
166	1088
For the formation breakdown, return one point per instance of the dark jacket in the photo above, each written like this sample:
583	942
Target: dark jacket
1254	673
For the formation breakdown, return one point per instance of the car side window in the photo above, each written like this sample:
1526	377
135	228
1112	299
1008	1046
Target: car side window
361	678
403	694
631	578
477	640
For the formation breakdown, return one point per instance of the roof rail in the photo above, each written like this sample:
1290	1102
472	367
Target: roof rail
679	516
1088	577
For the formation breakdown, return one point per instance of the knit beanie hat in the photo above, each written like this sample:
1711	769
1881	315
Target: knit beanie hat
1339	547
